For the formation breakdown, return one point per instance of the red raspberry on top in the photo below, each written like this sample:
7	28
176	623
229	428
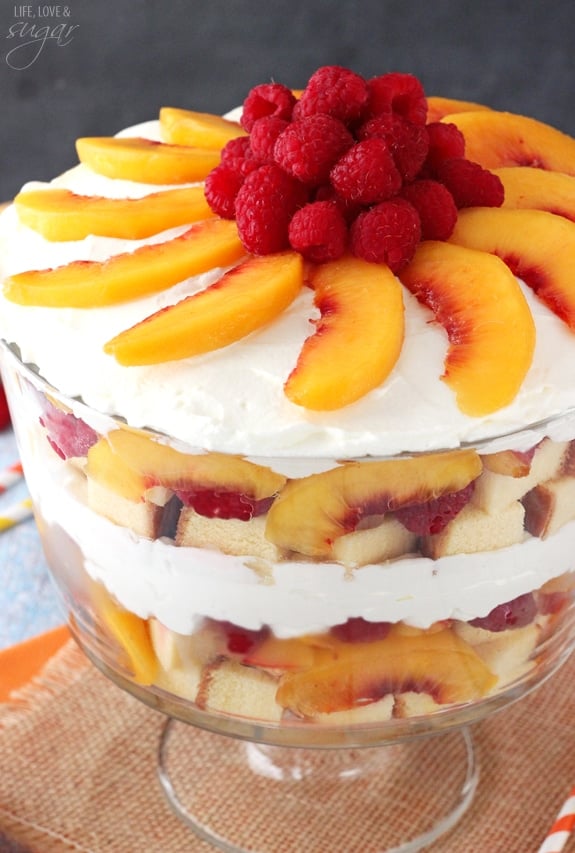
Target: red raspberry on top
309	147
221	188
267	99
264	135
445	141
387	233
335	91
238	155
398	93
407	142
265	204
436	207
319	231
366	173
470	184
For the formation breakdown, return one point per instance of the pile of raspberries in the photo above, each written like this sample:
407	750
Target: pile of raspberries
350	166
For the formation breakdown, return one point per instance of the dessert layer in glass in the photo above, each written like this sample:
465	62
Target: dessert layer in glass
371	591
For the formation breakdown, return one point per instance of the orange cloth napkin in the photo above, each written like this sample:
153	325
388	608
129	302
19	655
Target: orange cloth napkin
19	664
78	762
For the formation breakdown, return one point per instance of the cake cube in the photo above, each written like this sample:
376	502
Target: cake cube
233	688
493	492
385	541
229	535
474	530
143	517
549	506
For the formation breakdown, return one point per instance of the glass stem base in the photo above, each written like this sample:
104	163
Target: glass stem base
245	797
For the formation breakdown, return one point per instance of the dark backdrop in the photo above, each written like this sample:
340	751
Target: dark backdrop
109	63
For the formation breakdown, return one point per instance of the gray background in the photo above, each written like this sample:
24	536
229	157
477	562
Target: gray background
127	58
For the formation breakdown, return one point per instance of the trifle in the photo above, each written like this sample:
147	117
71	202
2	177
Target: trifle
295	396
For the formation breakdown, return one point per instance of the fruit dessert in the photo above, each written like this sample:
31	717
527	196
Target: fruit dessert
295	390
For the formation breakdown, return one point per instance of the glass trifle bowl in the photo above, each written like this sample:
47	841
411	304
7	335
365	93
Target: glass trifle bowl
295	396
303	608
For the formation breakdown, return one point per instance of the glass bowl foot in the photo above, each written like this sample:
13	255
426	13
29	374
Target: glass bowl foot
244	797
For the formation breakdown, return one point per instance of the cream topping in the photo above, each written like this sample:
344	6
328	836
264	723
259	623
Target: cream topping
232	400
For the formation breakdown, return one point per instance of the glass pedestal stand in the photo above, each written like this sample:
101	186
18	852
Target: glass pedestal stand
245	797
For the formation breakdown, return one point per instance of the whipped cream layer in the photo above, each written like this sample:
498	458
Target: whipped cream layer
232	400
182	585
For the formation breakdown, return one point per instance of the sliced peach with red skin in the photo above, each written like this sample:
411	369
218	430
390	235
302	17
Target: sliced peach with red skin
200	130
537	246
437	107
130	275
242	301
312	512
130	463
488	322
495	139
529	187
438	663
59	214
146	161
358	339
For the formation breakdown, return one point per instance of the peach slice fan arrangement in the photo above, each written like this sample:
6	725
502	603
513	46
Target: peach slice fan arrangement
356	188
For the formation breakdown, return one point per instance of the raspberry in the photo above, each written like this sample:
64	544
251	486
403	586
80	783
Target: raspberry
349	209
243	640
319	231
67	435
436	207
335	91
407	142
434	515
445	141
309	147
359	630
366	173
238	154
387	234
212	503
398	93
517	613
264	135
266	202
221	188
470	184
267	99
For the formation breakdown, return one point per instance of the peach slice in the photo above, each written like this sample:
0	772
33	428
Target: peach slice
496	139
537	246
131	632
59	214
274	653
437	107
131	275
242	301
488	322
146	161
310	513
439	663
358	339
130	463
529	187
200	130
